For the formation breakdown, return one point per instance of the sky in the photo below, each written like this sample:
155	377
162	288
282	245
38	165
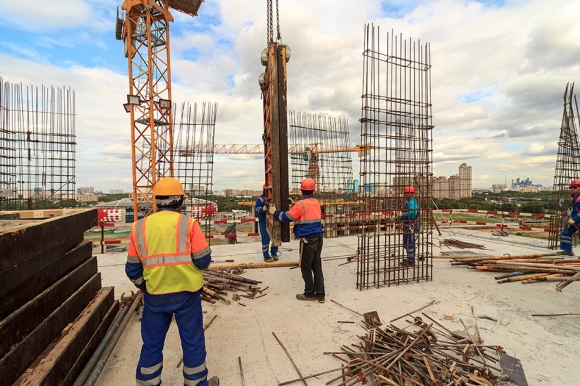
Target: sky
499	71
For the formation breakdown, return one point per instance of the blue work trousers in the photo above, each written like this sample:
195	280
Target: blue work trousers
410	228
157	313
566	237
266	240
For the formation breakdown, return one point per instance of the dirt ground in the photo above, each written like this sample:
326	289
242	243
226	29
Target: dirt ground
546	346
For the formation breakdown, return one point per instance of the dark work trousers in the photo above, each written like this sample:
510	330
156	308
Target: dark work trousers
311	265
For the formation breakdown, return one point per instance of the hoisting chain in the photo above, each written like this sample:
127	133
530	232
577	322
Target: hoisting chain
279	37
270	26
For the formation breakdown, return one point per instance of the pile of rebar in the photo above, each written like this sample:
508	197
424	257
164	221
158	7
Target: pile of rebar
526	268
419	354
218	282
460	244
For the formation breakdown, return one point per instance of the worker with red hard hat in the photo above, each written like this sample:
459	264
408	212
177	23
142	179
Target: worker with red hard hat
572	219
167	252
261	211
410	226
307	217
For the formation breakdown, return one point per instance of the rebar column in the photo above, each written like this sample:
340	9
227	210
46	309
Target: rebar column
567	166
396	130
37	147
193	146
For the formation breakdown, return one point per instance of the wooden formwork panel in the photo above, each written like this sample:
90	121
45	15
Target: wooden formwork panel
27	250
92	345
67	357
21	243
40	281
21	322
25	352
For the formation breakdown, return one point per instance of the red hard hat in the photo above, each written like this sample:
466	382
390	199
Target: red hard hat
575	182
308	184
264	186
409	189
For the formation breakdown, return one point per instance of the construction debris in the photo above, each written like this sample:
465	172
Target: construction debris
418	354
218	281
459	244
526	268
427	355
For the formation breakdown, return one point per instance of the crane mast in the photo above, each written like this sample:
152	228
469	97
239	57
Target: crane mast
146	42
145	35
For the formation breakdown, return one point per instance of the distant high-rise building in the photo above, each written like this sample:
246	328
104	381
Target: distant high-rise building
465	188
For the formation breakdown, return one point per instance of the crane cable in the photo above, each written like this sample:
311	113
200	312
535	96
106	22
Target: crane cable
270	22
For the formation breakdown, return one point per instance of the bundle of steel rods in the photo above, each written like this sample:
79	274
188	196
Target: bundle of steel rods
418	354
217	283
460	244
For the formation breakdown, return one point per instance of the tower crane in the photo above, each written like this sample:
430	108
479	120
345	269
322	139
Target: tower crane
144	30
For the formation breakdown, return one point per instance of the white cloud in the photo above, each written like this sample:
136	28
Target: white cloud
39	15
498	76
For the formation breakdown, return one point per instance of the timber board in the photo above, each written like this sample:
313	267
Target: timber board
54	366
24	242
21	322
92	345
21	356
31	287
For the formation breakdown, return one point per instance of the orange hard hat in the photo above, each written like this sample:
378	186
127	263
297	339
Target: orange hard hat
308	184
575	183
409	189
168	186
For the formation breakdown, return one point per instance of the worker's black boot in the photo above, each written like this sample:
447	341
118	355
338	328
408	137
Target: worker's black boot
213	381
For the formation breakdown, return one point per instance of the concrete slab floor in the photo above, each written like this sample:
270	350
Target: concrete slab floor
546	346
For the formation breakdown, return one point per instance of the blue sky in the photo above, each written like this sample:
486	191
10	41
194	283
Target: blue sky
499	72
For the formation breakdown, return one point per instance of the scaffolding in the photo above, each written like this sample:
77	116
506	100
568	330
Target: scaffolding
37	147
396	128
567	165
193	145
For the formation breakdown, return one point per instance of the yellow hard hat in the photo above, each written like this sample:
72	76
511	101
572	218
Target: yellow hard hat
168	186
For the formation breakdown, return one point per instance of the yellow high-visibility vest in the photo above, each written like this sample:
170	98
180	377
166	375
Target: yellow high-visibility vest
166	243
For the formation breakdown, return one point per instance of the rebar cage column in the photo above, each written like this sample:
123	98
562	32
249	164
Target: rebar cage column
37	147
193	147
396	130
567	166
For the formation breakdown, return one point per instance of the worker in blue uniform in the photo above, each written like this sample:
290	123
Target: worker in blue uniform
572	219
410	227
261	212
167	251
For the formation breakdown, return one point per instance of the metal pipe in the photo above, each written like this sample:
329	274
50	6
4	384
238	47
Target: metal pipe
113	342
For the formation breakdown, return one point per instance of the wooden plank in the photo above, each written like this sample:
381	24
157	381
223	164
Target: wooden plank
24	353
53	368
20	323
21	243
91	346
37	283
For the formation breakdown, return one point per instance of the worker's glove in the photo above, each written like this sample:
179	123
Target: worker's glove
272	209
571	222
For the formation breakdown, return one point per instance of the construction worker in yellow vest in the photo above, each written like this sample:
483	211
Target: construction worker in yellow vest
167	252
